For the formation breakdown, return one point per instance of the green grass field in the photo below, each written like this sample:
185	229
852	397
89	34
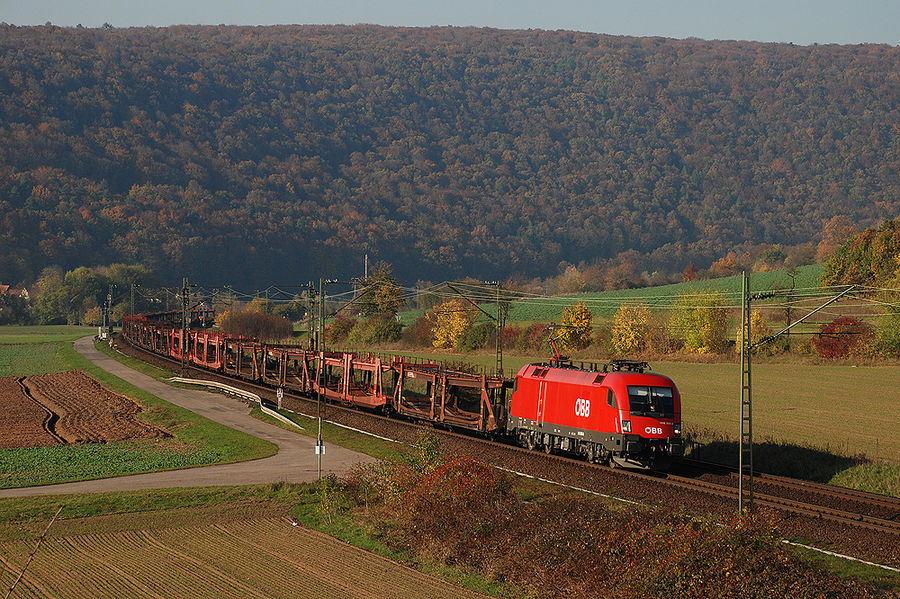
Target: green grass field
197	441
36	350
604	304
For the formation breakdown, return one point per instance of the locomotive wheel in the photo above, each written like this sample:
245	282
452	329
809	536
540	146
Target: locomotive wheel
529	441
548	444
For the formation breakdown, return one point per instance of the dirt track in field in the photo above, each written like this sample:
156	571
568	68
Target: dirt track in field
67	408
206	553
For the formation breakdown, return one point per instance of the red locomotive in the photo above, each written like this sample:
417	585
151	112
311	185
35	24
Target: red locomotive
619	414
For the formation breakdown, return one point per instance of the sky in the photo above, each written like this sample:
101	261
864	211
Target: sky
801	22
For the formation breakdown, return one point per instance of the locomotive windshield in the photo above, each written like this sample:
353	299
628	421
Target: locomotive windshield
658	402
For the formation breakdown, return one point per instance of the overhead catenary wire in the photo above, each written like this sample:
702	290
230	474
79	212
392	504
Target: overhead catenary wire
479	292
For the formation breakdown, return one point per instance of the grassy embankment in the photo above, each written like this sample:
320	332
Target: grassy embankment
196	441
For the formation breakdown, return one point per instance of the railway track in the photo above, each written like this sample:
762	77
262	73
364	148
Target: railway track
868	506
859	526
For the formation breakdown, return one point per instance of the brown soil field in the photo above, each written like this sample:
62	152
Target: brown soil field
24	420
84	412
207	554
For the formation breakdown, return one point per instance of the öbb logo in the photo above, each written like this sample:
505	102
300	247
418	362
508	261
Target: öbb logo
582	407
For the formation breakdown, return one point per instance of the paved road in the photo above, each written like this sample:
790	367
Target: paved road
294	462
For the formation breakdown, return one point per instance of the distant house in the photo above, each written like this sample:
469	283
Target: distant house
16	291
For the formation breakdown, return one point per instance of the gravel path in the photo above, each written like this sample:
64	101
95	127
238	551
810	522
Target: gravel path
294	462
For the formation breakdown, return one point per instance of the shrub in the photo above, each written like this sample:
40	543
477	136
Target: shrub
382	328
511	336
476	336
340	329
266	327
419	334
534	339
459	511
842	337
887	333
698	320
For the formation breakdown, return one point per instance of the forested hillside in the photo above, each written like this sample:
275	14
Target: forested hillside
249	155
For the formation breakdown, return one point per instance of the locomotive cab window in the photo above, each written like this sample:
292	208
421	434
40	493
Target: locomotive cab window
651	401
611	399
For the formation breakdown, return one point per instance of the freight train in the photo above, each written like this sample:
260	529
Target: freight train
620	414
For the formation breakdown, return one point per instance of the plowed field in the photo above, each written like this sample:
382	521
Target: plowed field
260	557
67	408
25	421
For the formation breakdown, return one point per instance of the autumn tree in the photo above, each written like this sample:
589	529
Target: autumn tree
725	266
631	329
759	330
570	281
251	323
837	231
578	322
698	320
869	258
689	273
450	320
384	295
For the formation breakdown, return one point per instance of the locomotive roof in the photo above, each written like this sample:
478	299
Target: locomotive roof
586	376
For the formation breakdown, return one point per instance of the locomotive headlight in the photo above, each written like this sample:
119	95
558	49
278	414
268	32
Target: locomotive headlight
676	428
626	426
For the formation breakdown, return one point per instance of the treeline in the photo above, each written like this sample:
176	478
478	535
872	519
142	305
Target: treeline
699	322
250	154
79	296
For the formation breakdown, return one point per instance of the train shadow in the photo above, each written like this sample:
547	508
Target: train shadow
780	459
